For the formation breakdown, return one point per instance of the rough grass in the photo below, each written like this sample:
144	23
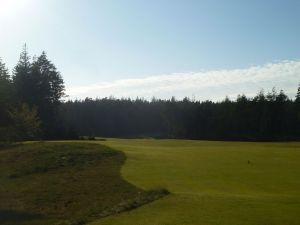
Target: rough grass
212	183
64	183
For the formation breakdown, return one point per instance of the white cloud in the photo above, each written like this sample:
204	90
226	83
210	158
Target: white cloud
212	85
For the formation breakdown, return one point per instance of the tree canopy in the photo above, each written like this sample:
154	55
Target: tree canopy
33	94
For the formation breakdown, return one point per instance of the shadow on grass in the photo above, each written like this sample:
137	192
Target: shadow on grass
67	182
7	216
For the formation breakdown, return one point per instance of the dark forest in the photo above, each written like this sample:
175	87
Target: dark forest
32	108
266	117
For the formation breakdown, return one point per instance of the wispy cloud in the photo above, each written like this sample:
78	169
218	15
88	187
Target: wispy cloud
212	85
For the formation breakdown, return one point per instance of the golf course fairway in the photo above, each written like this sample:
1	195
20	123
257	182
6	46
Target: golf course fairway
212	183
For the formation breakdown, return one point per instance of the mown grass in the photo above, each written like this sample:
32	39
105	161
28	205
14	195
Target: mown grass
212	183
64	183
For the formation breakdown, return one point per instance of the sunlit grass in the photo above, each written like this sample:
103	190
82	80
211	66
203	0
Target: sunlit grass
212	183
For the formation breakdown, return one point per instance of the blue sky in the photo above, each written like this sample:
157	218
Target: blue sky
97	43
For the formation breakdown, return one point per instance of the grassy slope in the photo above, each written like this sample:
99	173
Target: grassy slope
212	183
61	183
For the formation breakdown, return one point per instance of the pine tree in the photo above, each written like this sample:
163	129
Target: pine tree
271	96
6	92
48	88
49	83
40	85
281	97
298	94
23	65
21	78
4	75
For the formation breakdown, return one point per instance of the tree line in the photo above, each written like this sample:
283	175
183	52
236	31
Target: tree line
265	117
32	108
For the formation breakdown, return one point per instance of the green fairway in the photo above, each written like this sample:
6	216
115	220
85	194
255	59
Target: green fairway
212	183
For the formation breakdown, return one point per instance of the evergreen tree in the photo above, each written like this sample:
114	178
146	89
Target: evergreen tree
21	78
271	96
5	86
297	111
6	92
281	97
298	95
40	85
50	84
48	88
3	71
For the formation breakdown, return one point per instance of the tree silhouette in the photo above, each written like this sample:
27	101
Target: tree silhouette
34	99
6	94
48	88
40	85
271	117
298	94
21	78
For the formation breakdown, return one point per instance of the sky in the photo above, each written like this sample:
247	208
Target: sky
202	49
